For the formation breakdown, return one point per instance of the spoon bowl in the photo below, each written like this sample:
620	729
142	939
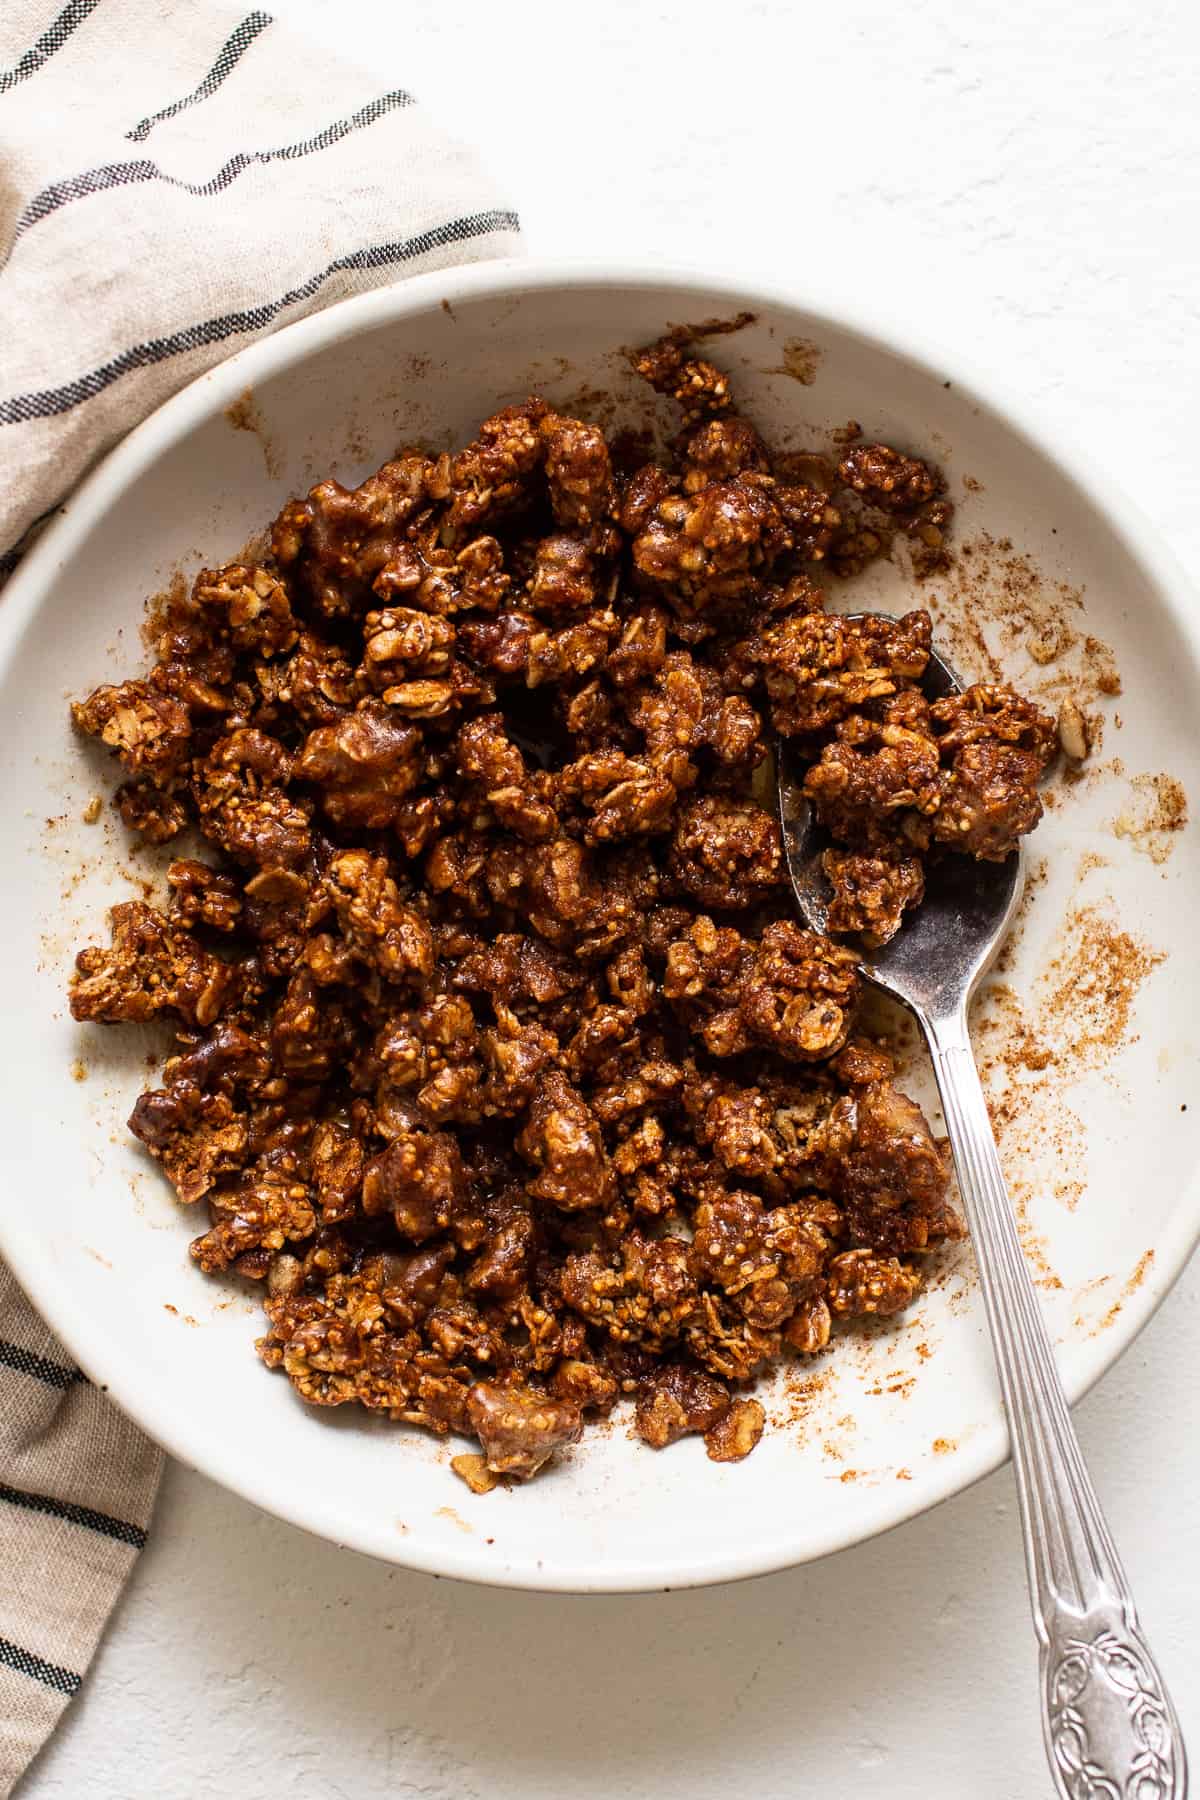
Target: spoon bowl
944	946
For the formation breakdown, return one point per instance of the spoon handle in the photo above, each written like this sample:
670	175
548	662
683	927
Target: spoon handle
1110	1729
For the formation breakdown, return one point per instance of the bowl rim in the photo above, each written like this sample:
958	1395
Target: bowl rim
29	1255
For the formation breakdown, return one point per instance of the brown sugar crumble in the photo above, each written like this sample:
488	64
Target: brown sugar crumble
1094	980
1156	813
801	360
474	1471
502	1064
244	414
1132	1283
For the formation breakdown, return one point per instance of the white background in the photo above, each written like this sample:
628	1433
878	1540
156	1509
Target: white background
1023	180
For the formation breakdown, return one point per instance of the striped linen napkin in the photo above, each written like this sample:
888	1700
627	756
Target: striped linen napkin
176	180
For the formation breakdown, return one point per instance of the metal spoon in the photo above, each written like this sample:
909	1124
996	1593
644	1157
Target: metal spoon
1110	1729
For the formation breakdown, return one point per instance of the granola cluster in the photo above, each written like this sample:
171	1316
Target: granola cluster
501	1061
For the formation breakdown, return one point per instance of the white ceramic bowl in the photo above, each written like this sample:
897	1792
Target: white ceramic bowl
1106	1170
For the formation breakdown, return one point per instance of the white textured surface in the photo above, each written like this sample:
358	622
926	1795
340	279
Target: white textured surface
1024	181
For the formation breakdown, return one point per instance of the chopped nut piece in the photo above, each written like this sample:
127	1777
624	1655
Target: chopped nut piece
474	1471
733	1437
1072	730
677	1400
809	1326
520	1429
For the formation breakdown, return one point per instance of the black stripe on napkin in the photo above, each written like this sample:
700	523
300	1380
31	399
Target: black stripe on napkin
26	1663
97	181
86	1516
47	403
12	1356
52	39
230	54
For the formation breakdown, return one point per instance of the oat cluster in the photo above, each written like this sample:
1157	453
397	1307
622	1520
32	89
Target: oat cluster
501	1061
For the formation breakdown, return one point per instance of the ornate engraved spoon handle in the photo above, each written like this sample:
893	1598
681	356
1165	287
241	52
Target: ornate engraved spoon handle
1111	1731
